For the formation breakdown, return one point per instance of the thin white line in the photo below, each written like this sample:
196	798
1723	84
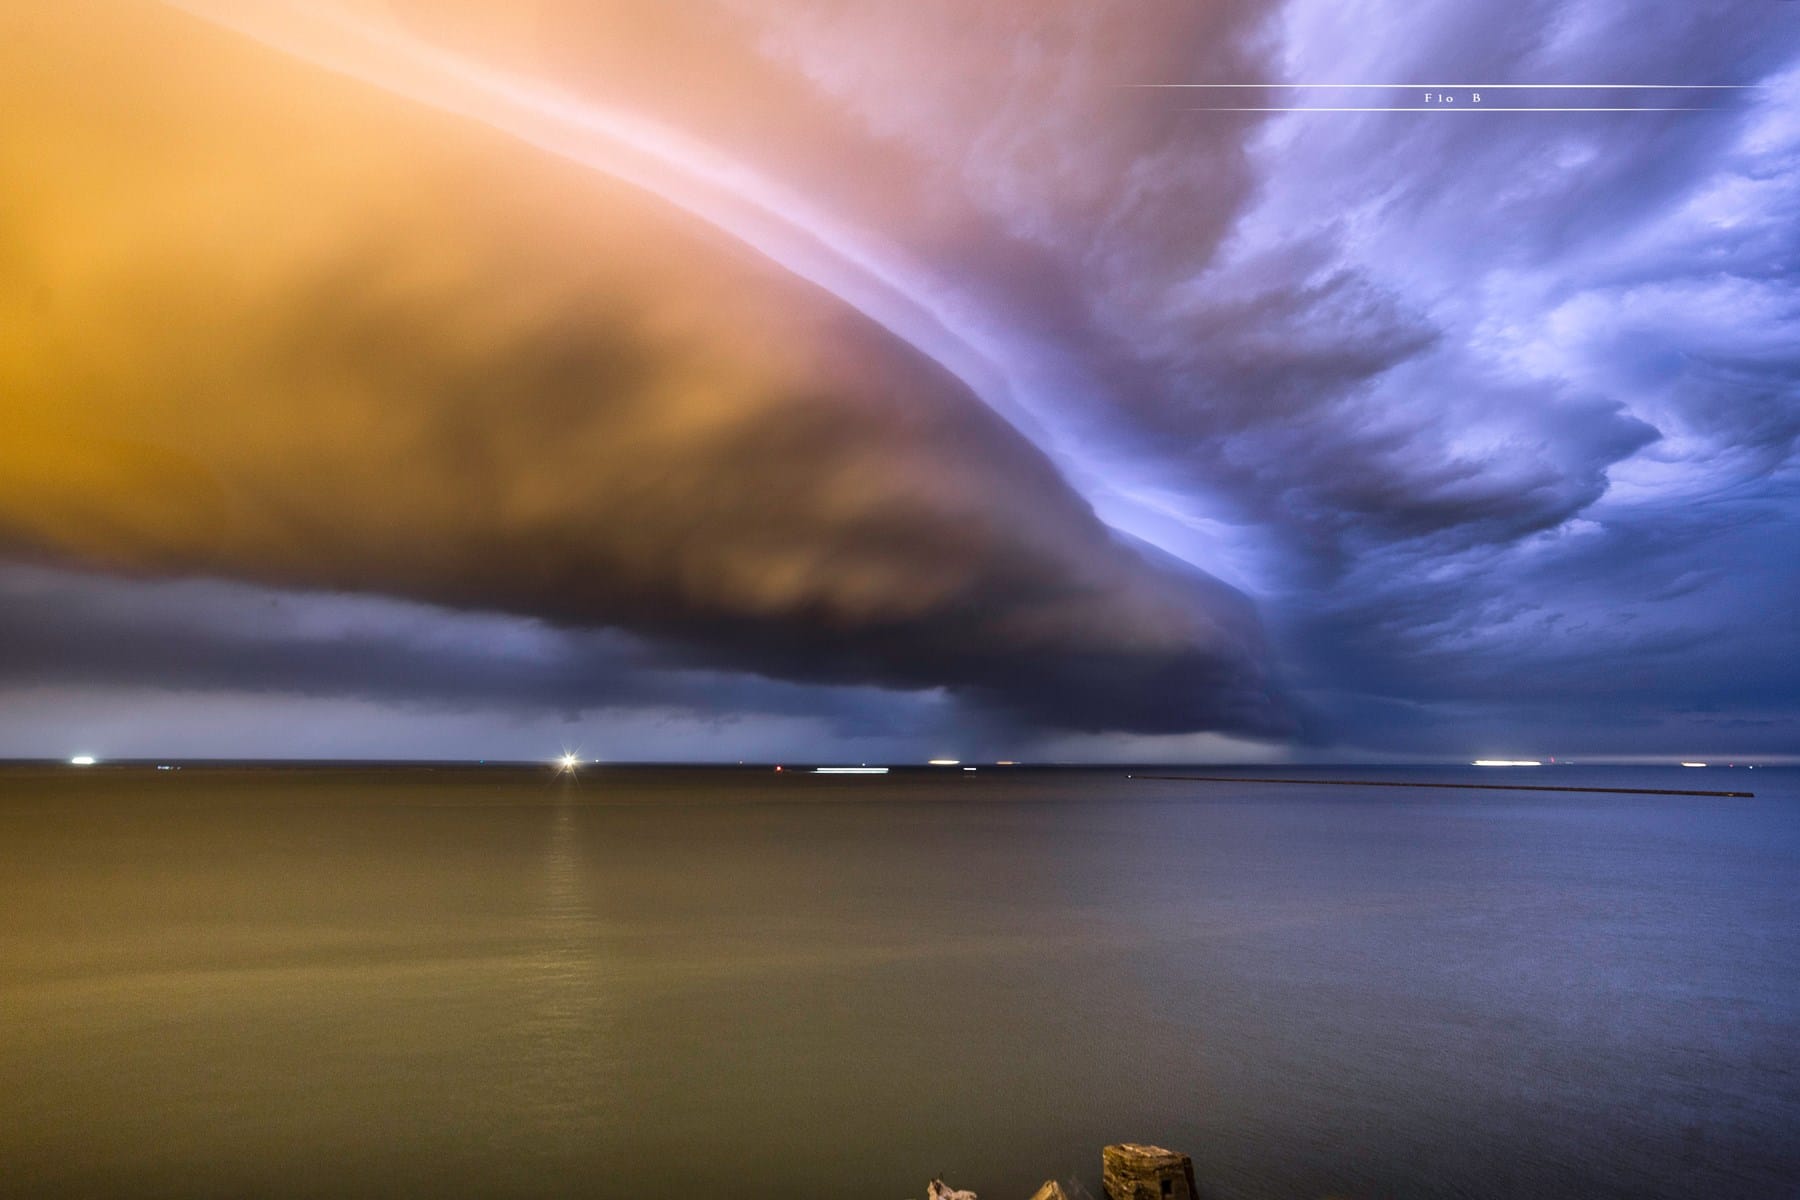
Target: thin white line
1425	108
1492	87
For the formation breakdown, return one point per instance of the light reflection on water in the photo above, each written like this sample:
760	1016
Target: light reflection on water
656	984
561	1083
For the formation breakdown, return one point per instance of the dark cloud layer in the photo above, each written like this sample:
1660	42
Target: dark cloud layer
210	638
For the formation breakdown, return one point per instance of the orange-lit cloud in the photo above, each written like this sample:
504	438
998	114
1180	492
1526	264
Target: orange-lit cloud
269	322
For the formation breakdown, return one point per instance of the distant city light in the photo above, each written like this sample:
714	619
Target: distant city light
568	762
1006	762
850	770
945	762
1507	762
968	768
1687	764
82	760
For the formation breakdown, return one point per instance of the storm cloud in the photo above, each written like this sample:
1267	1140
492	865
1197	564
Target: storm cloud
907	364
444	369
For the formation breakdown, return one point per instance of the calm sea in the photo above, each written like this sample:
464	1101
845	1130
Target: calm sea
661	983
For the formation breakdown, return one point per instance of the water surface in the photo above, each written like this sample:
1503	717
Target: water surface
661	983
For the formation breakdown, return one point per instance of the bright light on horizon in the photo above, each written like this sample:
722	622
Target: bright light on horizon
568	762
850	770
82	760
1688	764
945	762
1507	762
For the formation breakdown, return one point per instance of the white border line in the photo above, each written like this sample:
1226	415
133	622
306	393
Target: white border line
1491	87
1423	108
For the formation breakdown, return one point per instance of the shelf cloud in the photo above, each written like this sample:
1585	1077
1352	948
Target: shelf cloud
906	365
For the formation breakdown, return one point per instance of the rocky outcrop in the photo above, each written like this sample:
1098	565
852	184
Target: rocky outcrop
1133	1172
937	1189
1129	1171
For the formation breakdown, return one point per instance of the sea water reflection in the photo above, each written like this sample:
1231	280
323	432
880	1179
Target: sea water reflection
651	984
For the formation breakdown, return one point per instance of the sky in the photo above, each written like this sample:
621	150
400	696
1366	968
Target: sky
835	380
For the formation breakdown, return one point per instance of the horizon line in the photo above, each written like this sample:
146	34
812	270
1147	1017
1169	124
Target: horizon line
553	761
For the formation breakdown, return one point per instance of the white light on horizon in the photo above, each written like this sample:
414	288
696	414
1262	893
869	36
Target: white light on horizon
850	770
568	762
82	760
1688	764
1507	762
945	762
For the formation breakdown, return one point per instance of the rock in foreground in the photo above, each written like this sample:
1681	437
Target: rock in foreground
1133	1172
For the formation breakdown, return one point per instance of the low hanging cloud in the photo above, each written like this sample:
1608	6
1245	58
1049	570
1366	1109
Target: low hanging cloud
276	327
